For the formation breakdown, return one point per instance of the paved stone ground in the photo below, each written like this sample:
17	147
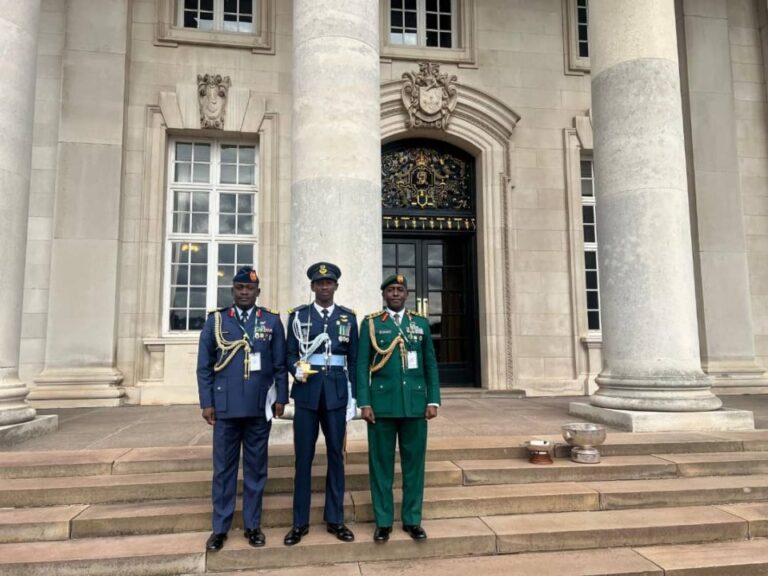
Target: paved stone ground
462	414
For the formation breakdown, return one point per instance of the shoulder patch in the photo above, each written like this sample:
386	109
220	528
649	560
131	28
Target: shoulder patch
347	310
270	310
375	314
297	308
415	313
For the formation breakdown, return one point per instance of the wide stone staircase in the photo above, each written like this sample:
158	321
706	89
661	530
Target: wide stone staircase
657	504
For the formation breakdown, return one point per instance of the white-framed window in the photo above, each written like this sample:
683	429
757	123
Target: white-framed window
430	23
246	24
211	226
589	223
577	27
226	15
439	30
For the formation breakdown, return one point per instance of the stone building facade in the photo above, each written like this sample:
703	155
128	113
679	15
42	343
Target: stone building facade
577	191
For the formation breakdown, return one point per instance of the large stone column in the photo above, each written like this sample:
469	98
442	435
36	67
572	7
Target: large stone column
18	46
81	338
650	332
336	155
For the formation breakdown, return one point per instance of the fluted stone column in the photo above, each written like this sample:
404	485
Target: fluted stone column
336	155
18	46
650	332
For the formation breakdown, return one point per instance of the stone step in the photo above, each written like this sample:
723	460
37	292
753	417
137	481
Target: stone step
188	515
190	458
563	470
719	463
680	491
25	492
745	558
158	555
167	516
614	528
740	558
168	554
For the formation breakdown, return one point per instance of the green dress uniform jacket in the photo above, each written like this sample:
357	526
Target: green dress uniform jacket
398	392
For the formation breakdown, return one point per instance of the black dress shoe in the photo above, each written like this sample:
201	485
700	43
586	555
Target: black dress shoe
415	531
215	542
341	532
255	537
381	534
294	536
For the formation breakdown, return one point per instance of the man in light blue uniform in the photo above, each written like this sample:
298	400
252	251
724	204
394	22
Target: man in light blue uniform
322	356
241	373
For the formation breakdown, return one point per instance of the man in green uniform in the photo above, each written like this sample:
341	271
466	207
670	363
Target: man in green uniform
397	391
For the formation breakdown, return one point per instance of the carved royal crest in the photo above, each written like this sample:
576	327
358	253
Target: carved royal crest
429	97
212	92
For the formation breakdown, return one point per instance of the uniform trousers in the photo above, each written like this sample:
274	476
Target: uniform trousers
306	424
411	436
229	434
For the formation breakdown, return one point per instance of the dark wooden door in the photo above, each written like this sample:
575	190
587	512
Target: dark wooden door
440	274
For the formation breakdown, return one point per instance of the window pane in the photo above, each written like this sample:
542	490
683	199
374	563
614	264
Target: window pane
410	278
226	253
245	203
225	275
388	255
435	281
396	39
445	40
406	255
246	7
445	22
434	255
227	203
179	297
245	25
197	297
230	5
200	202
183	151
199	253
593	320
183	171
591	280
431	21
445	5
431	38
588	213
245	254
409	5
196	319
397	3
583	50
229	174
181	202
202	173
178	320
396	19
589	234
590	260
410	39
586	187
197	275
387	271
246	175
592	300
245	224
180	222
191	4
206	4
199	223
228	154
202	152
180	274
223	297
410	19
227	224
230	23
586	169
247	154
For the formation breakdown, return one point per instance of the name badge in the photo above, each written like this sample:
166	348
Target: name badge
413	360
255	361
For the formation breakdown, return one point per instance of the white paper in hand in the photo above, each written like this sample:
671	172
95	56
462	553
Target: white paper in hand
351	403
271	399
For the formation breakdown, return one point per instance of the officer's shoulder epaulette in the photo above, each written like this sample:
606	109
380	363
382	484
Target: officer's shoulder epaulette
270	310
297	308
375	314
213	310
347	310
415	313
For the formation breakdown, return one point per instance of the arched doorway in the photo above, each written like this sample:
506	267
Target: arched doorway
429	236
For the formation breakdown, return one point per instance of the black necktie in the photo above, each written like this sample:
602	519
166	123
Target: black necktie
244	317
397	318
325	315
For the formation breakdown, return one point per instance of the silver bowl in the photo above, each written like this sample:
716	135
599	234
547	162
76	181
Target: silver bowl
583	437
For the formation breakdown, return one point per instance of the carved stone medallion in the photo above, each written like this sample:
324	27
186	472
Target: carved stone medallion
429	97
212	92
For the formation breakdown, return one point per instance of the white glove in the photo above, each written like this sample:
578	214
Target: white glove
299	374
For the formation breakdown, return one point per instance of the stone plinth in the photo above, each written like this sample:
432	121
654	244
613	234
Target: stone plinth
643	421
